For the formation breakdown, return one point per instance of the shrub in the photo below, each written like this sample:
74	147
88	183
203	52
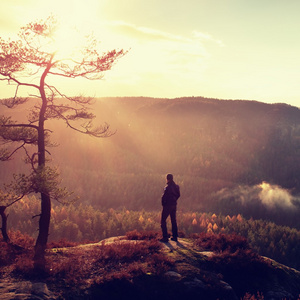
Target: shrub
127	251
248	296
142	235
21	239
4	254
160	263
220	242
23	265
62	243
20	244
121	260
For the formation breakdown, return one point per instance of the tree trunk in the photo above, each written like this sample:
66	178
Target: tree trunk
44	222
4	224
41	242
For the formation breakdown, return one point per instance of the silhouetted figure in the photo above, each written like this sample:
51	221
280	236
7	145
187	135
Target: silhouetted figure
169	203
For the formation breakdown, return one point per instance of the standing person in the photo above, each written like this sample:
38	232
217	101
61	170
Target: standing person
169	203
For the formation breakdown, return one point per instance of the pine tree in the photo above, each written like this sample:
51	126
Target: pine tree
21	62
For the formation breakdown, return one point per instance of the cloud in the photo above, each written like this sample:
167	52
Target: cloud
177	58
207	37
150	34
274	196
144	33
269	195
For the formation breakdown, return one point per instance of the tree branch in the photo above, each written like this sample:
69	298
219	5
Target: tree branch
16	200
11	78
12	153
20	125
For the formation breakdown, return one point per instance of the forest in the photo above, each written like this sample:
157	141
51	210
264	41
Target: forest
228	156
82	224
208	144
235	159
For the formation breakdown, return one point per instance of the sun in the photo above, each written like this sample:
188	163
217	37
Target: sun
67	40
77	20
74	24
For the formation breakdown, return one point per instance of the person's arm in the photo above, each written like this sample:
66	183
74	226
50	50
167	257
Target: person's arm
164	197
178	191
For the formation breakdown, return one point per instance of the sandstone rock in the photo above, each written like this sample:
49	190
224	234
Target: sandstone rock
172	276
195	284
25	290
278	295
229	293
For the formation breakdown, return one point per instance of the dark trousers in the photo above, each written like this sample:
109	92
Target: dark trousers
169	210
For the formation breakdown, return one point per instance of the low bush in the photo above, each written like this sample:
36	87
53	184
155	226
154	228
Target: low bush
106	262
258	296
21	239
235	259
20	244
63	243
142	235
220	242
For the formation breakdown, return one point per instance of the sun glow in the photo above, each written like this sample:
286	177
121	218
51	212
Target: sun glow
74	23
67	41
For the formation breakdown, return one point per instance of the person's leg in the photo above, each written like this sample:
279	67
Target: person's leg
174	223
163	223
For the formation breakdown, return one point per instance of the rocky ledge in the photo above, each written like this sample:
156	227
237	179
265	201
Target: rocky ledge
194	274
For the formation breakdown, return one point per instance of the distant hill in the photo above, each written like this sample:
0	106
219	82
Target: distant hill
212	146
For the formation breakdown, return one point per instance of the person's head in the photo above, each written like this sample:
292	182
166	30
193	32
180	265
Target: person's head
169	177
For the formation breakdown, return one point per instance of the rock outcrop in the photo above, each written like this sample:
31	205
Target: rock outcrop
25	290
194	275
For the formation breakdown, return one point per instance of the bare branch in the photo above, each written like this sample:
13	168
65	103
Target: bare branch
77	99
13	102
36	216
9	77
8	156
16	200
31	159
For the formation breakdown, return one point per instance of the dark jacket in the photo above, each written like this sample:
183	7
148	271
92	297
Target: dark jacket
171	194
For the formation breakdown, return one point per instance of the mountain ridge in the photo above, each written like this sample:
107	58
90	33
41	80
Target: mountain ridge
209	144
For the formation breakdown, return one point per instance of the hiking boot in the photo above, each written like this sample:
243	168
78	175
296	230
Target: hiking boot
174	239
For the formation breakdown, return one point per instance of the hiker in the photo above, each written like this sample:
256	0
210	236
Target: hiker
169	203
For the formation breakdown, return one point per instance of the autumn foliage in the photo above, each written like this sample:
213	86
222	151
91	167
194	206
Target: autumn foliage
80	224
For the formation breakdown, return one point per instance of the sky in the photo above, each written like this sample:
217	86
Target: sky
226	49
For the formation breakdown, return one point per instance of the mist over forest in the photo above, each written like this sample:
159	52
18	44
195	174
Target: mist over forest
228	156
